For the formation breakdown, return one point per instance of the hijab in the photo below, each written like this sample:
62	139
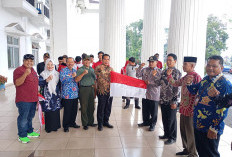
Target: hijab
46	73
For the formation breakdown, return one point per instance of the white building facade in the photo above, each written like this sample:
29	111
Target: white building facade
24	29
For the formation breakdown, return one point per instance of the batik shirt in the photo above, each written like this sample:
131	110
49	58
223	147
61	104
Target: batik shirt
206	113
153	88
168	93
187	99
103	79
69	89
52	102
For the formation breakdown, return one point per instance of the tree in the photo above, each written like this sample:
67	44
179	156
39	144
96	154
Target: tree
216	37
134	40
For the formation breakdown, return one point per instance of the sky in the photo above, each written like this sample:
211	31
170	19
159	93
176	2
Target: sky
135	10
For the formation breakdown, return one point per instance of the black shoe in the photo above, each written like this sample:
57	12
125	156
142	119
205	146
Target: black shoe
108	125
182	153
125	107
142	124
85	128
100	128
137	106
151	128
48	131
92	125
169	141
75	126
66	130
163	137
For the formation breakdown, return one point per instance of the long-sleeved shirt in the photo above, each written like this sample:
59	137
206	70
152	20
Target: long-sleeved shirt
187	99
206	113
224	101
131	70
103	79
52	101
69	88
153	87
168	93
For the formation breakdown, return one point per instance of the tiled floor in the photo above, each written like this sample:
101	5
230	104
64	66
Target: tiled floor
125	140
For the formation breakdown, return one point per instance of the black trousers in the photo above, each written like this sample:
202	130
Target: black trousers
206	147
169	120
149	111
128	101
104	108
70	112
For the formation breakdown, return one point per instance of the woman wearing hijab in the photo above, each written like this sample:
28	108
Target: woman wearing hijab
49	83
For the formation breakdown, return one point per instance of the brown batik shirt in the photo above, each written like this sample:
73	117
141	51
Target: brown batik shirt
103	79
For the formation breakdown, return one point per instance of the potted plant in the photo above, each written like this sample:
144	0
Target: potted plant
3	80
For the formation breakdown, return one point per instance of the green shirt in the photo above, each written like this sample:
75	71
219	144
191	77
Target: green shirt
88	79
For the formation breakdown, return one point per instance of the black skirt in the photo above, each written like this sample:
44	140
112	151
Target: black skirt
52	120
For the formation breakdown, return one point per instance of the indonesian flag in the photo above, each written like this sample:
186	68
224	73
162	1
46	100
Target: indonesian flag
40	112
122	85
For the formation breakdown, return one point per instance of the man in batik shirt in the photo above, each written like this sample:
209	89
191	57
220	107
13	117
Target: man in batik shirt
169	96
69	95
208	117
151	75
103	92
186	106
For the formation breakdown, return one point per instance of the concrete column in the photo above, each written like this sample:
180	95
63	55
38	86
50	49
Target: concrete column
58	27
153	29
187	31
113	31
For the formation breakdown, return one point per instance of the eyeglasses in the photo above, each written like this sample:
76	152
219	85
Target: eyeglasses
28	56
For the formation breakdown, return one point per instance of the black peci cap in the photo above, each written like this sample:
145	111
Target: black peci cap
190	59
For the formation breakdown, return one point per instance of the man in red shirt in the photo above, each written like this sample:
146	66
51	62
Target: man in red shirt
159	63
26	83
100	54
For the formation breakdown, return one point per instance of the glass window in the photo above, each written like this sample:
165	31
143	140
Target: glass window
13	51
35	52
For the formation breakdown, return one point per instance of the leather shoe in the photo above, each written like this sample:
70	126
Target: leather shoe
169	141
100	128
108	125
92	125
142	124
137	106
75	126
163	137
125	107
85	128
182	153
151	128
66	130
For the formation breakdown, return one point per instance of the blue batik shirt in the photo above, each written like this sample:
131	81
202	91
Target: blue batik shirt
206	113
69	88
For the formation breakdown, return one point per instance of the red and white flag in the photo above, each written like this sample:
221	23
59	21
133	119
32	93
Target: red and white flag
40	112
122	85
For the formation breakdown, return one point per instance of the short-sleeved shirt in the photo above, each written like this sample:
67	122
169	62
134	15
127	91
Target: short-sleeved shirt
28	91
131	70
89	78
68	85
96	64
103	79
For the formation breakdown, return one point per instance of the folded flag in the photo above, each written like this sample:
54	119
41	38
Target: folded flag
122	85
40	112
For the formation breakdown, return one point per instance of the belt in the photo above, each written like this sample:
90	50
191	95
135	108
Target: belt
86	86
